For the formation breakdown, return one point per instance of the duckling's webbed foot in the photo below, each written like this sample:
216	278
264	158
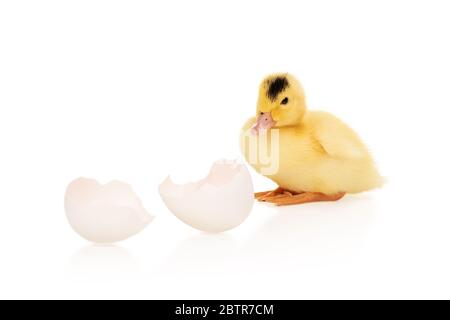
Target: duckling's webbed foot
268	196
288	198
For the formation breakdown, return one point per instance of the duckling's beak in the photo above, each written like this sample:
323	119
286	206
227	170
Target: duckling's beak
263	122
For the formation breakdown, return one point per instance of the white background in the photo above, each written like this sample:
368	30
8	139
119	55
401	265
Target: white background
134	90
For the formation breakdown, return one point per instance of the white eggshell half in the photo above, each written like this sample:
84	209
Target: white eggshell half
104	213
220	202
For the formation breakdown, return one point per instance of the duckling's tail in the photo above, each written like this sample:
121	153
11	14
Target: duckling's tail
361	177
379	182
373	180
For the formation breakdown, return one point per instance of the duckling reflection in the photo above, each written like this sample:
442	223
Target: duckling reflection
311	235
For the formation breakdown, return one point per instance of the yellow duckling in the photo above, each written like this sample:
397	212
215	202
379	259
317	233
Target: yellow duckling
318	157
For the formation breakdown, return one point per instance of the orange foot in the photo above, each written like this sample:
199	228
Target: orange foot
282	197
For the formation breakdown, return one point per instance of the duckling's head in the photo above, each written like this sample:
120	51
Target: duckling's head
281	102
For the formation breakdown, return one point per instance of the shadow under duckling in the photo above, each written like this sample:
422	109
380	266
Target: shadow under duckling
318	157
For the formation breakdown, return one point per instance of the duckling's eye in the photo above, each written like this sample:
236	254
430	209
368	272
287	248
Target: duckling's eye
285	101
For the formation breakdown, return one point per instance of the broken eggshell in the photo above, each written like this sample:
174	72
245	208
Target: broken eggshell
104	213
220	202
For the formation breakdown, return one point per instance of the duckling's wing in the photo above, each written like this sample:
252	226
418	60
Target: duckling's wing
337	139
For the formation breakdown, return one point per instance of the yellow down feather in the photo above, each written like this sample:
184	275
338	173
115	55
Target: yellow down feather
317	151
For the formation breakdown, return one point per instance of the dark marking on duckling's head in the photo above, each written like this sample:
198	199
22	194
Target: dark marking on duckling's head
275	86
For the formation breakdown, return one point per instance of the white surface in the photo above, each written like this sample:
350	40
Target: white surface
135	90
